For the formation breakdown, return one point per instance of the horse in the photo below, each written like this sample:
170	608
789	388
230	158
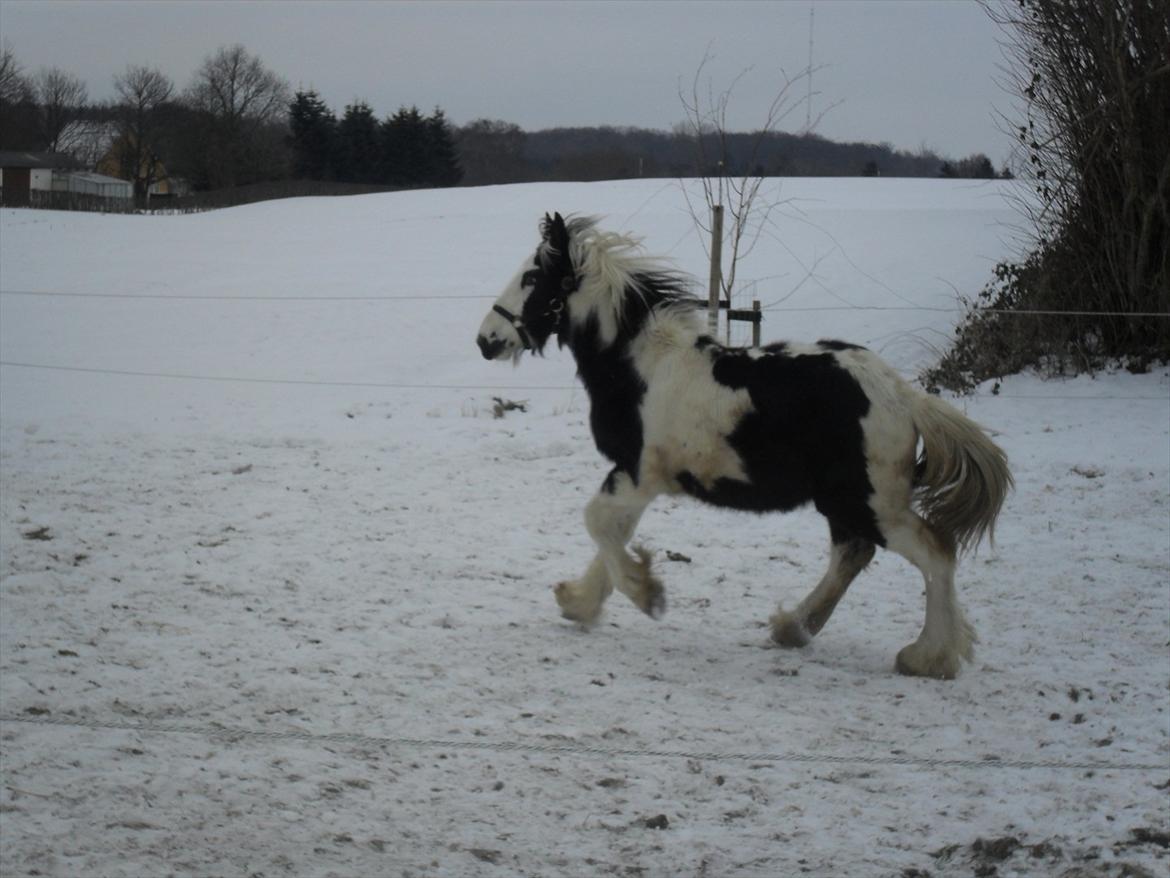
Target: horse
763	429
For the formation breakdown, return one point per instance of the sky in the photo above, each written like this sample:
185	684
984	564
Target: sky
912	73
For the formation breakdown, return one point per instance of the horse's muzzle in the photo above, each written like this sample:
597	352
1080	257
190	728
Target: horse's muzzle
490	347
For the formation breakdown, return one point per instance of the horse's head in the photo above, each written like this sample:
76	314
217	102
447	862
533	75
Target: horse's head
533	305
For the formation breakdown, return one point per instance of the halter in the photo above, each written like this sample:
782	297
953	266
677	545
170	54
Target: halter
556	310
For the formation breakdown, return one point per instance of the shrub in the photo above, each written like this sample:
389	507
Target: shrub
1095	79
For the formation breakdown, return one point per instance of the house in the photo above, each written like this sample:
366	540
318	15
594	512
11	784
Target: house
23	173
92	184
118	161
88	141
103	147
106	148
55	180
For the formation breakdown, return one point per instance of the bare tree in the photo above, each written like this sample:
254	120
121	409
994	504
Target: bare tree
18	122
491	151
142	91
242	100
14	86
235	86
88	140
61	99
732	184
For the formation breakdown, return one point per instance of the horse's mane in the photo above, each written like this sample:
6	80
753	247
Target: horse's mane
619	278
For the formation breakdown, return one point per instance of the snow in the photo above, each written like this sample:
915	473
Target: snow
277	500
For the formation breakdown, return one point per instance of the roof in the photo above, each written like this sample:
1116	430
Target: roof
93	177
88	141
36	160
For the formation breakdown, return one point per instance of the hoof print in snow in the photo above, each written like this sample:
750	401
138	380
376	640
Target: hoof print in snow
1011	854
657	822
487	856
1145	835
997	848
40	533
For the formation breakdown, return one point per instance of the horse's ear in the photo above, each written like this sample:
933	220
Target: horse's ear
546	225
558	234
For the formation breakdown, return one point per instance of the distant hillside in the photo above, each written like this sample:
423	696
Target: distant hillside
499	152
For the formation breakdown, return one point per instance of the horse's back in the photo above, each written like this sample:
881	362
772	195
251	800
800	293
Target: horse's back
812	391
800	431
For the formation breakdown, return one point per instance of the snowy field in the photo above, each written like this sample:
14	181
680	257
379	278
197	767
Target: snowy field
275	584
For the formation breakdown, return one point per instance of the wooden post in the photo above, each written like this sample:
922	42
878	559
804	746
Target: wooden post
716	270
756	323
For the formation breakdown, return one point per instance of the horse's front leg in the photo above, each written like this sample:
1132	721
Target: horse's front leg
611	517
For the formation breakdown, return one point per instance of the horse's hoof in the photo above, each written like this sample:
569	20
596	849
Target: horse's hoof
915	661
789	631
651	598
572	607
655	606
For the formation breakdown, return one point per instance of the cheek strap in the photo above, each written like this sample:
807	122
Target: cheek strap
556	310
517	324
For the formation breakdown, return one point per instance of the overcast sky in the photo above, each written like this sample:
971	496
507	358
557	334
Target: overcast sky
913	73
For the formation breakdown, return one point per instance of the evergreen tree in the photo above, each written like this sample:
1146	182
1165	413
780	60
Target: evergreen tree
405	143
359	149
444	167
313	138
419	150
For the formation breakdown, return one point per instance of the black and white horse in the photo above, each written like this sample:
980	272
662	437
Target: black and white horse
761	429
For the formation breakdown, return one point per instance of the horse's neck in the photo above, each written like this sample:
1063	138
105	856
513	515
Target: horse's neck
615	379
603	359
597	356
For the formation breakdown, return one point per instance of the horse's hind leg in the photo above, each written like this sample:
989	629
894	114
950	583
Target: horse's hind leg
946	636
848	556
611	517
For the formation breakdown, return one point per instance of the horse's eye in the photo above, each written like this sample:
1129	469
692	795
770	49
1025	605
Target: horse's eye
528	279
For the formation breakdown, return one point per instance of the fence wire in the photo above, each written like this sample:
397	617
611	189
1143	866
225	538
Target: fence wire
293	381
187	297
524	388
231	733
773	308
496	388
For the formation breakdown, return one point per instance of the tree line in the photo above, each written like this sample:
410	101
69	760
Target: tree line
226	128
237	123
406	149
494	151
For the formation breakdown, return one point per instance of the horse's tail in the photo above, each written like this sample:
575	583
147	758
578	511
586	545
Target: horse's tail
962	476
